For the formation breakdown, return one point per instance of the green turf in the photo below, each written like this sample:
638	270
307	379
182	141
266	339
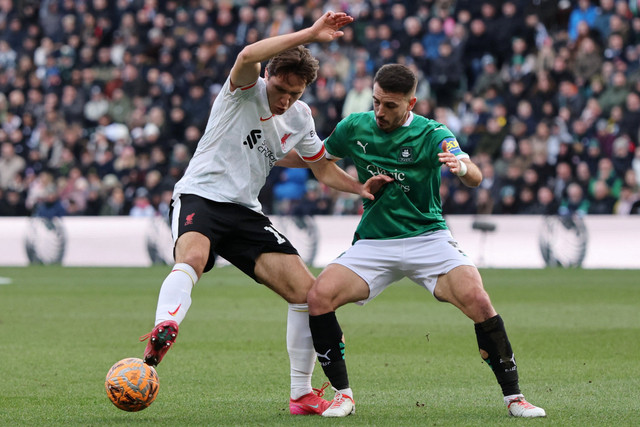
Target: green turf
412	360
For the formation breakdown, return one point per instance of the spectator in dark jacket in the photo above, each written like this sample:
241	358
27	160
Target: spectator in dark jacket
445	76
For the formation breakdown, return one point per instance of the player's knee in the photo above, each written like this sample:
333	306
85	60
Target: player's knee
318	299
312	296
477	297
296	295
196	260
298	288
476	304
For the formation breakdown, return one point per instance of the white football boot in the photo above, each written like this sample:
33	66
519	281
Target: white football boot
519	407
341	406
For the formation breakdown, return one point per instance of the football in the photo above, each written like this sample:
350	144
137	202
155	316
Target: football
131	384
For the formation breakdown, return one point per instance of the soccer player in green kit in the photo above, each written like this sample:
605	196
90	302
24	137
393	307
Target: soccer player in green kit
402	233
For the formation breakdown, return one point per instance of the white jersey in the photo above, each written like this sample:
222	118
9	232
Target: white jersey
242	142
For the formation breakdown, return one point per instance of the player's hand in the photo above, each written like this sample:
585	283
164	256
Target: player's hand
373	185
449	159
327	27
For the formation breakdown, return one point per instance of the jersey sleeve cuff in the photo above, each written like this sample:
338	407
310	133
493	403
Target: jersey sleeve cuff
316	157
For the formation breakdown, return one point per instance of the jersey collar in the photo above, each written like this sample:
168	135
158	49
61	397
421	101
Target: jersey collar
409	119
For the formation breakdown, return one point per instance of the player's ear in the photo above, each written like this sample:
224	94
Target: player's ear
412	103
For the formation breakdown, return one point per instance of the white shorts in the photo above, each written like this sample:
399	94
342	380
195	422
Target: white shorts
422	259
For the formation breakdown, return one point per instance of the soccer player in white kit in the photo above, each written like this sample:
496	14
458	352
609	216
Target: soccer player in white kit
254	123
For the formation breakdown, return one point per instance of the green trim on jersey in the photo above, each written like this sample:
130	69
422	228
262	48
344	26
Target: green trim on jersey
410	205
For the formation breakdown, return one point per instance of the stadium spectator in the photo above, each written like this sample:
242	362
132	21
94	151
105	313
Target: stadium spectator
508	201
484	202
344	203
588	61
601	23
606	173
115	203
49	205
490	16
629	197
575	202
358	98
11	165
563	178
602	202
11	203
289	189
621	155
630	122
614	49
462	202
491	138
569	97
583	176
545	203
635	164
434	36
542	96
526	200
445	75
476	46
489	77
509	27
614	94
142	205
314	201
585	12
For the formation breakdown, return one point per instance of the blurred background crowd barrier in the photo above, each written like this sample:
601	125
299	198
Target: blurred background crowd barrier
511	241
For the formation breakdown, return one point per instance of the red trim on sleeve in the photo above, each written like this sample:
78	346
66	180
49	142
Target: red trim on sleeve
316	157
249	87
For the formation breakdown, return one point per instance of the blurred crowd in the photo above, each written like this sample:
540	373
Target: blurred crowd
102	102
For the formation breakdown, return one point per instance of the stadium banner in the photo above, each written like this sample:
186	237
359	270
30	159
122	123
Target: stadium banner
518	241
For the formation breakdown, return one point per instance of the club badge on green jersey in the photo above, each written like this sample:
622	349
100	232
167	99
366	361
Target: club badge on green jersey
406	155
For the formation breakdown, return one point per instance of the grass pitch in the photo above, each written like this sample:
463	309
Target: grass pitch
412	360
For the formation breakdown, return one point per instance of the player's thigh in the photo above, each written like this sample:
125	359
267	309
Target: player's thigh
193	248
336	286
195	223
432	256
458	284
463	288
286	274
376	263
262	252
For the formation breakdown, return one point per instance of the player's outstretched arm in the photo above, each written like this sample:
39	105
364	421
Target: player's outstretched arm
327	172
246	69
292	160
465	169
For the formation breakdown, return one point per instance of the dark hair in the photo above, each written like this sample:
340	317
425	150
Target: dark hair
396	78
297	61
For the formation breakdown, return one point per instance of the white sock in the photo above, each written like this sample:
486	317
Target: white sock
508	399
175	294
302	355
347	392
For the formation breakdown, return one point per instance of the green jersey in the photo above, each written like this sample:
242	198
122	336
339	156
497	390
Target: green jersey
410	205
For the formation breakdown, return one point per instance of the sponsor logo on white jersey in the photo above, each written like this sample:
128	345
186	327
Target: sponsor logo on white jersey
253	137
